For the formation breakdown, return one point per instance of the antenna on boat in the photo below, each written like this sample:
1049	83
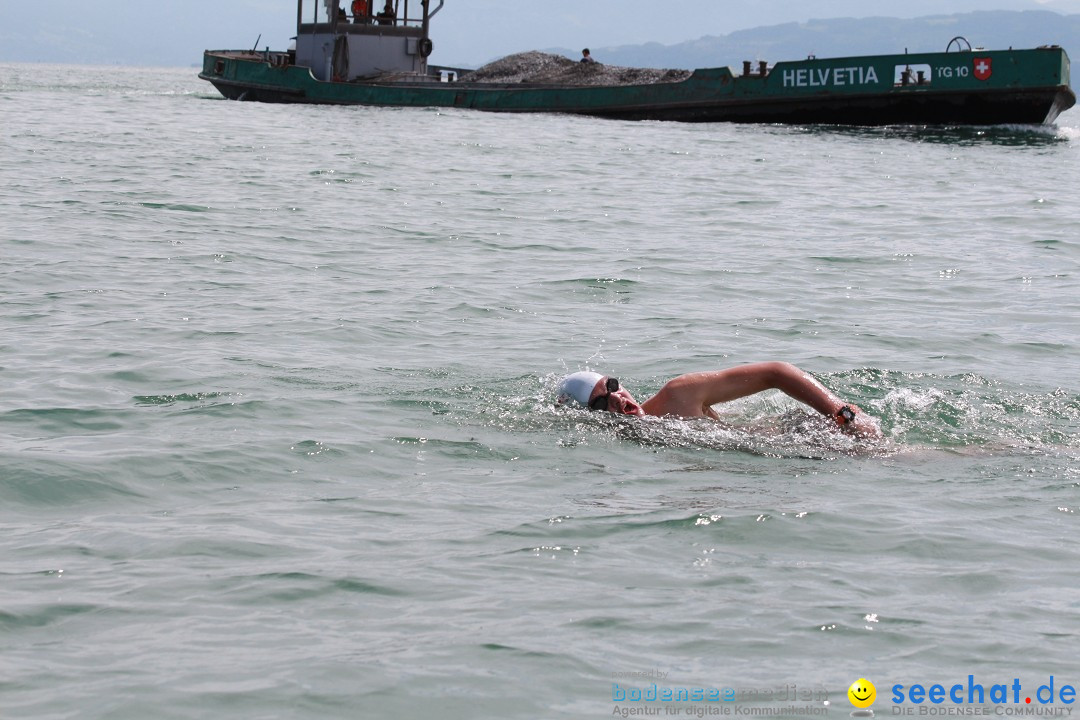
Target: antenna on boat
256	46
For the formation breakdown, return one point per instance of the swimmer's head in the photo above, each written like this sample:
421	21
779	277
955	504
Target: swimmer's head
577	388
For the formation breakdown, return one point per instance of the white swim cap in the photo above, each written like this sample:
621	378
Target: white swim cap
577	387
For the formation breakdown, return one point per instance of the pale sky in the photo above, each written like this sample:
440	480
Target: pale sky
466	32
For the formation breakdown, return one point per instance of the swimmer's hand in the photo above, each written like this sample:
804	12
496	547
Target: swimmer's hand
852	420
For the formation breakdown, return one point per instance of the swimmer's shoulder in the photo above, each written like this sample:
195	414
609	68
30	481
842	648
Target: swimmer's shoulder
679	397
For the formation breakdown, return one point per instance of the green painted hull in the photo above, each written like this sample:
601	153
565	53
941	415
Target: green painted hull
958	88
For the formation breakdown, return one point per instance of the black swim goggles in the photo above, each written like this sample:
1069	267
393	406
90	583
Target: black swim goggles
600	402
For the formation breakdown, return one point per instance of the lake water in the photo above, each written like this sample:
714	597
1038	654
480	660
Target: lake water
277	436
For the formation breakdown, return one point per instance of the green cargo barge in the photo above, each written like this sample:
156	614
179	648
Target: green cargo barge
382	61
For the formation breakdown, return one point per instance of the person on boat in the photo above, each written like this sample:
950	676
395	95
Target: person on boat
586	57
693	395
361	11
388	15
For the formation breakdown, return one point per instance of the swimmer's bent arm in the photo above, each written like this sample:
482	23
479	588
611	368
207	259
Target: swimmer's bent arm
694	394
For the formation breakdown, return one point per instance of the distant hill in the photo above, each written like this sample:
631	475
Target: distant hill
993	30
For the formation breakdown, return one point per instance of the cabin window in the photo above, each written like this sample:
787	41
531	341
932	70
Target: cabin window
915	74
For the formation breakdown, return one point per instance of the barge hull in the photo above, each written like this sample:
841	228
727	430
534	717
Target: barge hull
1025	87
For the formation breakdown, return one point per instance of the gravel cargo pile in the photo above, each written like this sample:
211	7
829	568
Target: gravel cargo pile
547	69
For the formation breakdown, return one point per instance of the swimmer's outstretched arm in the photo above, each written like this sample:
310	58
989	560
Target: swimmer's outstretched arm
694	394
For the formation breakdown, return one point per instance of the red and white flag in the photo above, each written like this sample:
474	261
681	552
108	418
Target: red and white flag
983	67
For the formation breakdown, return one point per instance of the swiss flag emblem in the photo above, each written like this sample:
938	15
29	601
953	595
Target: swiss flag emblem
983	68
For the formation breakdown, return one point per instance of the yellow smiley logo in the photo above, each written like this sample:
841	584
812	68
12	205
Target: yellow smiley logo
862	693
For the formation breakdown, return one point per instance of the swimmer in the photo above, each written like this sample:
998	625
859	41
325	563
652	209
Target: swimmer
693	395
